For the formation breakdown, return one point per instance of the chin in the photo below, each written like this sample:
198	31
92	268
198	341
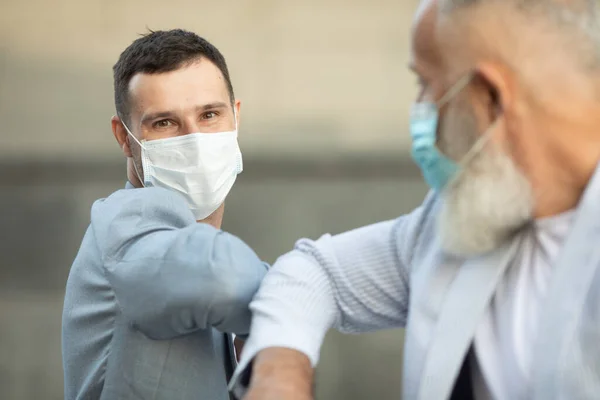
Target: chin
484	206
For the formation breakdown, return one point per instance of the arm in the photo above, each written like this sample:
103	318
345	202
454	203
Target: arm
281	374
172	276
355	282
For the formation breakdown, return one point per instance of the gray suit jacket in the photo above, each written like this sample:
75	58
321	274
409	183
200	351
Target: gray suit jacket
394	274
148	297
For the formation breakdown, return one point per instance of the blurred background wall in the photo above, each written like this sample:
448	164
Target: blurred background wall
325	95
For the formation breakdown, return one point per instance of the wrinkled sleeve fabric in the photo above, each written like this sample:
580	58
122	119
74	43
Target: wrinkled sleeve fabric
171	275
355	282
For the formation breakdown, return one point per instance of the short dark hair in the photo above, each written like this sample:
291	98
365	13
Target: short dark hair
162	51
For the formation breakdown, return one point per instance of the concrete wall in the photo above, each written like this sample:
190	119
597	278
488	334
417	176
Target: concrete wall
315	77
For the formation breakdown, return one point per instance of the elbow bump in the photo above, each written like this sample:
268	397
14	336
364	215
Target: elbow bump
237	292
233	293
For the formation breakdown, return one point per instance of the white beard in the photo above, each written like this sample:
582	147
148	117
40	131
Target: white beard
485	205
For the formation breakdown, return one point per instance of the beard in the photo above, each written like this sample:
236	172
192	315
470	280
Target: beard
487	203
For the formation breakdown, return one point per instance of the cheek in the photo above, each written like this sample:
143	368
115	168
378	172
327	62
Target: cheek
457	131
511	139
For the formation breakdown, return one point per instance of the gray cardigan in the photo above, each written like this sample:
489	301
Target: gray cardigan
394	274
148	296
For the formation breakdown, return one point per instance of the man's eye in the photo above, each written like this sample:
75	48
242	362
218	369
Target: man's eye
209	115
163	123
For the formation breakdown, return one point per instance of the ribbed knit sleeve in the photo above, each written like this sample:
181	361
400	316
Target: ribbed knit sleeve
355	282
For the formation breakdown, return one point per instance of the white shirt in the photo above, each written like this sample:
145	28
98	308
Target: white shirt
505	339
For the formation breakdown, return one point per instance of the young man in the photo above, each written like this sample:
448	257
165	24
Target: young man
156	282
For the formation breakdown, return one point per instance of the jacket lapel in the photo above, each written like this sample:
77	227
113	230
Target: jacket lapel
461	312
574	271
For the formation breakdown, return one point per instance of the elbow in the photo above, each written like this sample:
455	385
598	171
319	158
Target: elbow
221	302
232	298
181	310
191	305
240	290
165	321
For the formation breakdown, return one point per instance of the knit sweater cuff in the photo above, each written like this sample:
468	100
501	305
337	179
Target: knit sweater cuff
294	309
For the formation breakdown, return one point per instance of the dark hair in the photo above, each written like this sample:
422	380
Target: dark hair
162	51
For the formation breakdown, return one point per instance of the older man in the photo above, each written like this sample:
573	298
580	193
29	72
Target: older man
496	277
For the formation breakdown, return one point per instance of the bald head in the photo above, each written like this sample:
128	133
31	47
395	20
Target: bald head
573	23
546	50
533	69
572	10
578	9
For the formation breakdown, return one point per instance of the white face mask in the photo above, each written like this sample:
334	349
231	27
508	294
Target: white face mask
202	167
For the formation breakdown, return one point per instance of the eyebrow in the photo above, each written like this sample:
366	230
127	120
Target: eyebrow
162	114
166	114
211	106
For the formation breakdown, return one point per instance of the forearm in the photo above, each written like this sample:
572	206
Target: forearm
282	374
170	275
293	310
351	282
173	282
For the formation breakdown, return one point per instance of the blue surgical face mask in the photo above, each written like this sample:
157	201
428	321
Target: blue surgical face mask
438	170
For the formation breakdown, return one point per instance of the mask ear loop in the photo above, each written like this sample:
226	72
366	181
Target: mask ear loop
472	153
481	142
241	168
455	90
143	148
474	150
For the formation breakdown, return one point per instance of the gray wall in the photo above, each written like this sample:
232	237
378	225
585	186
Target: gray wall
315	77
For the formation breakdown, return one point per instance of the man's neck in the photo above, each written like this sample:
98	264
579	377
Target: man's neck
132	176
571	162
215	219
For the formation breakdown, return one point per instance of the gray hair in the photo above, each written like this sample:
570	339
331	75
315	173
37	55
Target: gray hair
577	19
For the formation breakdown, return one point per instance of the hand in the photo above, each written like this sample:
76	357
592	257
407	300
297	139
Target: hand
281	374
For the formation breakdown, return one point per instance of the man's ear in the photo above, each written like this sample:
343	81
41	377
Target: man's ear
236	107
497	85
121	135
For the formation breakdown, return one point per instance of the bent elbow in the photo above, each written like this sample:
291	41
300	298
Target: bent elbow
176	313
230	305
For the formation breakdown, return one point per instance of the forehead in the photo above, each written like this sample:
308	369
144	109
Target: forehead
426	52
195	84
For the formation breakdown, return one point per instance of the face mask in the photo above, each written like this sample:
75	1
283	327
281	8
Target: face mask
438	170
202	167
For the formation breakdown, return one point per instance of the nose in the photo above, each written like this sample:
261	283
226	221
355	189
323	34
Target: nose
189	125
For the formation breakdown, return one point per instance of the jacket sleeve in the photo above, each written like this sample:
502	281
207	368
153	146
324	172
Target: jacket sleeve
355	282
172	276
